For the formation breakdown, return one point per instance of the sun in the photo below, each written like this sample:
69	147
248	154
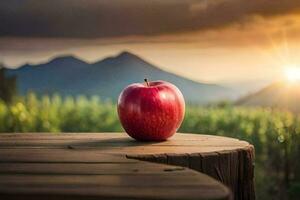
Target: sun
292	73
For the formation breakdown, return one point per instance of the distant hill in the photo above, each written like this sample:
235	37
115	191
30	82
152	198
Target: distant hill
68	75
279	95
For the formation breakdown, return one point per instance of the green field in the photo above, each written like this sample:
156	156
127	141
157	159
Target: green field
275	134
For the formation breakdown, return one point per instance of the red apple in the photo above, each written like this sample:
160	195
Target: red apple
151	111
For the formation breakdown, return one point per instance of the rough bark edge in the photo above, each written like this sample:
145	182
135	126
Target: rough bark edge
234	168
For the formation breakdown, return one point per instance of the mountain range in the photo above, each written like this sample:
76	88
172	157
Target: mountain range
68	75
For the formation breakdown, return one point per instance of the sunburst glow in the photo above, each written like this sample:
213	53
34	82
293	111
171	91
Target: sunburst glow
292	73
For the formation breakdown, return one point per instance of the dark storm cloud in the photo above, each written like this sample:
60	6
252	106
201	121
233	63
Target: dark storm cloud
108	18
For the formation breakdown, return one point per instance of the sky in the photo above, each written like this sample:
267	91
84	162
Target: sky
205	40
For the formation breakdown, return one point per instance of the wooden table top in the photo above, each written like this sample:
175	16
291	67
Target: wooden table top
96	165
121	143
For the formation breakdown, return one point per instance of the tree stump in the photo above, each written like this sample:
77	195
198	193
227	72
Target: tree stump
228	160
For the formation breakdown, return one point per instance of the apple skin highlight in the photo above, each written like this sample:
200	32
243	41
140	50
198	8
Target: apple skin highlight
151	111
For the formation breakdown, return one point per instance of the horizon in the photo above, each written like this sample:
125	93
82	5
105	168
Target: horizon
215	71
89	61
222	83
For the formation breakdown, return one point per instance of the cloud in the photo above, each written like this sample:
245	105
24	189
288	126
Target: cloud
110	18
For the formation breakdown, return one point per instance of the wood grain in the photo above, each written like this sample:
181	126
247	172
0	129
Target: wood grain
72	174
228	160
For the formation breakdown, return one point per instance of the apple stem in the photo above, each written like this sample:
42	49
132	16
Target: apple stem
146	81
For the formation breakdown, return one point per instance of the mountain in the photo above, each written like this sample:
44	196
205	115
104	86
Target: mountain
68	75
279	95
